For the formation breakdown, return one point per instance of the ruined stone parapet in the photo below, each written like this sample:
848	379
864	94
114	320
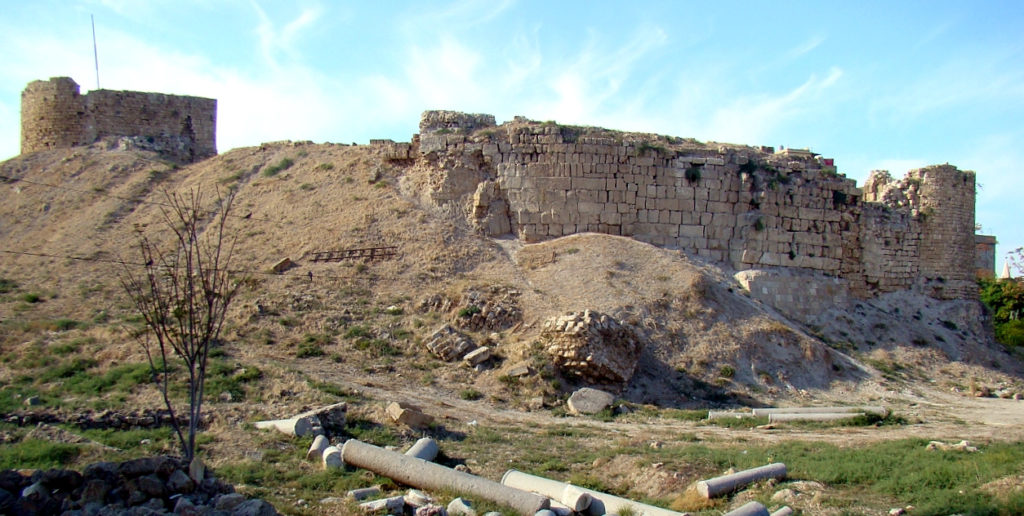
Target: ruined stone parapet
453	121
56	115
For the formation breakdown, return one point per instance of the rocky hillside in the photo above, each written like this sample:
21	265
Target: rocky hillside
685	333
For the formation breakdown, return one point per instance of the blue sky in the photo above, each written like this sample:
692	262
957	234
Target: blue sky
872	84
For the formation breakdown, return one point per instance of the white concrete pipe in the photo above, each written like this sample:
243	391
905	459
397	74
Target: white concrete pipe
433	477
425	448
297	426
728	414
783	511
316	450
817	416
728	483
881	411
749	509
600	503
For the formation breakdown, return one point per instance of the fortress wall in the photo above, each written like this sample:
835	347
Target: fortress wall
190	120
56	115
748	207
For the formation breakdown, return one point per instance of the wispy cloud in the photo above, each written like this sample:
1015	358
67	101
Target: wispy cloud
805	47
755	118
275	38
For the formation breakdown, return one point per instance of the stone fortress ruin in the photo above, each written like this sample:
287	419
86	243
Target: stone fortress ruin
55	115
800	234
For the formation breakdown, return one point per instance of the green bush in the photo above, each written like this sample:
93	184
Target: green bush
278	167
469	311
1005	301
7	285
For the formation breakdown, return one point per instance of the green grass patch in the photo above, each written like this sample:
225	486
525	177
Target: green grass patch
222	376
36	454
377	347
357	331
278	167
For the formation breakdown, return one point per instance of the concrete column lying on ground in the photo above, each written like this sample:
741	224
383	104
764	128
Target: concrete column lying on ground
881	411
728	483
817	416
297	426
425	448
332	458
316	450
601	503
749	509
783	511
728	414
427	475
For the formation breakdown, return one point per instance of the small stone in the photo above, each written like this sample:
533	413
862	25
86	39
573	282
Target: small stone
179	482
461	467
33	401
431	510
364	493
409	415
225	397
197	470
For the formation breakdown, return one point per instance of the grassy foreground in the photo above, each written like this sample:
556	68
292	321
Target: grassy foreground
850	480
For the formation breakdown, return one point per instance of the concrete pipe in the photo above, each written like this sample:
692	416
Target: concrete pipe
425	448
320	443
880	411
728	414
601	503
332	458
427	475
728	483
783	511
297	426
749	509
816	416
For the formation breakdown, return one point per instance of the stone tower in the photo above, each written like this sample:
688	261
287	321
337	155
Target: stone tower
52	115
946	212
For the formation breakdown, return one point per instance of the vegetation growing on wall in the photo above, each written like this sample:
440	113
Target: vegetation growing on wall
1005	300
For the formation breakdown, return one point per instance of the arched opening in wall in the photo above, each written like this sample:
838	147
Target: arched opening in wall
188	135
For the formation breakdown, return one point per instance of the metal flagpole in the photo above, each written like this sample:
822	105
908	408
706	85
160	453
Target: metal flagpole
95	54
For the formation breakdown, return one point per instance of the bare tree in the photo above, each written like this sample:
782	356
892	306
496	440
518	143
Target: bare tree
183	295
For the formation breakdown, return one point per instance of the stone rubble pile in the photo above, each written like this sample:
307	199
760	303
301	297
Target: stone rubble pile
492	308
449	344
87	419
593	346
147	486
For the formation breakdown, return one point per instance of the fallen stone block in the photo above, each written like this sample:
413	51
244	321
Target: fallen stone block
408	415
477	356
416	499
964	446
589	401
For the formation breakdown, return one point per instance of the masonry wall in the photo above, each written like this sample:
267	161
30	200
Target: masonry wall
748	207
56	115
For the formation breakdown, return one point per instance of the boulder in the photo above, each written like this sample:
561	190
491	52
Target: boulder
589	401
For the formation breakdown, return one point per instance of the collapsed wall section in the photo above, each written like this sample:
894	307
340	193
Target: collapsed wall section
56	115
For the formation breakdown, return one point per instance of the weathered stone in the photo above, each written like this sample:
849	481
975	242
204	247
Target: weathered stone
179	482
431	510
477	356
228	502
593	346
254	507
409	415
589	401
449	344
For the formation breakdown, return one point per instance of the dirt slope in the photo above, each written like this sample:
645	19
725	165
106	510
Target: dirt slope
67	215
